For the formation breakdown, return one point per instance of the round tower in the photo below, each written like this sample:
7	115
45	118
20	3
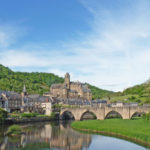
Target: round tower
67	80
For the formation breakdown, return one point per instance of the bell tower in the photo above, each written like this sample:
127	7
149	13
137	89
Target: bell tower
24	90
23	95
67	80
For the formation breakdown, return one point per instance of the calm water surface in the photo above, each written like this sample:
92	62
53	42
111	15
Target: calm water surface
59	136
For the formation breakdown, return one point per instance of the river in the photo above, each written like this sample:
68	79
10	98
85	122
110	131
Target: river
60	136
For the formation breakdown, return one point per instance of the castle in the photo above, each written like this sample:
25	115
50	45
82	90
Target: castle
70	90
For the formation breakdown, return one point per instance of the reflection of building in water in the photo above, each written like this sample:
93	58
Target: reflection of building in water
70	140
54	136
37	134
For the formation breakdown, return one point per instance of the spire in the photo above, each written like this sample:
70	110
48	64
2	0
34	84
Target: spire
24	89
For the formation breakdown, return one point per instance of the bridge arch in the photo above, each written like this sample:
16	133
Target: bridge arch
91	114
113	114
67	115
137	114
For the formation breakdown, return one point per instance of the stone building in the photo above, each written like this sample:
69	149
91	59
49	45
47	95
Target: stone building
35	103
10	101
70	90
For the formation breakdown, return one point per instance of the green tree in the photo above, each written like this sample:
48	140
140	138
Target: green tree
3	114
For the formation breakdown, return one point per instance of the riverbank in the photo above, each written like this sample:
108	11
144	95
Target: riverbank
27	120
134	130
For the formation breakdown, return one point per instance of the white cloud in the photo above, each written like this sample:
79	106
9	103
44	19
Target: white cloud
14	58
9	33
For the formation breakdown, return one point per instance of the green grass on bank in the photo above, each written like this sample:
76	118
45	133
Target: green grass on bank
137	129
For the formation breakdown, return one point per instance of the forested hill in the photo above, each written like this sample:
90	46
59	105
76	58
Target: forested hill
139	93
99	93
36	83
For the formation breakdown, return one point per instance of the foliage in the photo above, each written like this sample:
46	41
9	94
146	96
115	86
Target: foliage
14	115
139	93
142	91
14	129
36	83
57	106
146	116
136	129
53	115
99	93
3	114
42	116
28	115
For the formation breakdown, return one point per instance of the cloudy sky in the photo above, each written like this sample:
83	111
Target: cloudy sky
103	42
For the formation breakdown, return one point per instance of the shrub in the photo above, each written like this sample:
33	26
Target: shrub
14	115
146	116
43	116
29	114
3	114
14	129
57	106
53	115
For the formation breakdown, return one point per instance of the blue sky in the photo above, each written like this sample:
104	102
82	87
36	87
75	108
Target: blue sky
103	42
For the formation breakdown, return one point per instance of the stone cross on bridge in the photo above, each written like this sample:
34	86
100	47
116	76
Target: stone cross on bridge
101	113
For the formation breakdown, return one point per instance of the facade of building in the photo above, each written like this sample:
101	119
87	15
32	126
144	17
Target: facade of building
70	90
4	101
14	102
35	103
10	101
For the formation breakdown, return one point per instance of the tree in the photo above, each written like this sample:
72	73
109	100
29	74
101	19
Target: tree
3	114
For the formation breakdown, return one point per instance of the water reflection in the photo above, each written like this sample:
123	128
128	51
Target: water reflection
45	136
59	136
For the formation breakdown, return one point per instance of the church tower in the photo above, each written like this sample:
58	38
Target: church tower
67	80
23	95
24	91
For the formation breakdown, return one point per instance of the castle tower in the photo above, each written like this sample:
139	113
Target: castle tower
67	80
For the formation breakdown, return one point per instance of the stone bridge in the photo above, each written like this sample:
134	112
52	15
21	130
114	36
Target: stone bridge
102	112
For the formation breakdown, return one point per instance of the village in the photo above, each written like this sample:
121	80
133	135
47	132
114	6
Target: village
66	94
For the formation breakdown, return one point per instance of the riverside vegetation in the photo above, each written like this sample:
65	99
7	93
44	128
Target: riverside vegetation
30	115
137	130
